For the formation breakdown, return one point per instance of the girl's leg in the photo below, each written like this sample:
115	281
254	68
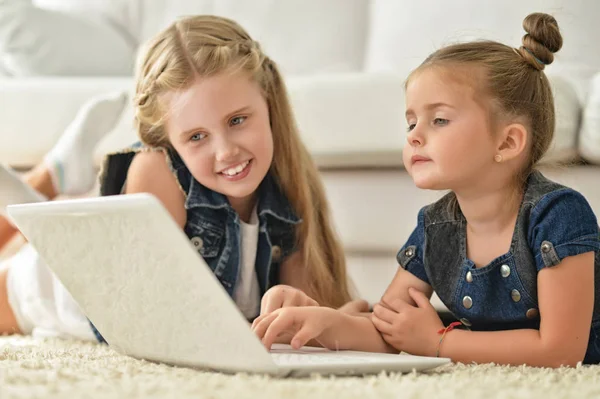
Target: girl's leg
7	232
8	322
36	186
68	168
69	164
40	179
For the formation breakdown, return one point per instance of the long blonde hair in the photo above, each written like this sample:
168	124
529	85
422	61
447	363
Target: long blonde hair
203	46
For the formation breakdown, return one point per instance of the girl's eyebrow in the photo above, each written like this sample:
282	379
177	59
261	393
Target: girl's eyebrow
430	107
237	111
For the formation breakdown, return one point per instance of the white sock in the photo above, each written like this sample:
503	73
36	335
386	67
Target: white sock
70	161
14	190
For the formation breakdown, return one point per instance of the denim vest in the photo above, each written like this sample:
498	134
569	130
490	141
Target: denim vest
553	222
212	224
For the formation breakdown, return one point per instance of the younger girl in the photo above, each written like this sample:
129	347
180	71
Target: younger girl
221	151
512	254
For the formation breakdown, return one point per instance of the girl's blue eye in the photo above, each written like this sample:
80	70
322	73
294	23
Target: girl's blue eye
197	137
440	121
238	120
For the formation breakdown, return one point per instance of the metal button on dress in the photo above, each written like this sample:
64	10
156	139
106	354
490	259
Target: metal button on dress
466	322
197	241
467	302
515	295
505	271
275	253
546	247
532	313
408	252
469	277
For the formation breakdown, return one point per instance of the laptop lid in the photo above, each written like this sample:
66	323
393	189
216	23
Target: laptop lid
138	278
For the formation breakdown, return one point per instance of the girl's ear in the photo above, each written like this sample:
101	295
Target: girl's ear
512	142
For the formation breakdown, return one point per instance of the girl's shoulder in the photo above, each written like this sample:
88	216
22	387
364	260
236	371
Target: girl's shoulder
138	169
117	165
544	198
558	221
539	188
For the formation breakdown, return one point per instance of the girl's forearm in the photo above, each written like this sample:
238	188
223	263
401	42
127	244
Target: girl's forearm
355	332
512	347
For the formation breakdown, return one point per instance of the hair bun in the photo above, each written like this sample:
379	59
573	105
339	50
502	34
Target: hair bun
541	41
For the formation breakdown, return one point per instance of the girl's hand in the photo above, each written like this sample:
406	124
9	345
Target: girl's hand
413	329
281	296
302	323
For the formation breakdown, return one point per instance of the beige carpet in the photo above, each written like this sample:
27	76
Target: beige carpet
65	369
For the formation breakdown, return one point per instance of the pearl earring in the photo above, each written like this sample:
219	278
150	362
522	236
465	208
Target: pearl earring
498	158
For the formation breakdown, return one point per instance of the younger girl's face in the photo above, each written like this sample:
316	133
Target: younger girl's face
450	142
221	129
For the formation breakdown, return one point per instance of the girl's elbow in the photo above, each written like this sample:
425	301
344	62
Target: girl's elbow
566	355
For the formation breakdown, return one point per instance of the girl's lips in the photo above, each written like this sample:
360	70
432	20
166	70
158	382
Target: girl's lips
418	159
240	175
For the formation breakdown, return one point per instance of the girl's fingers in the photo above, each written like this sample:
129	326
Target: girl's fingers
384	313
260	326
281	323
382	326
307	332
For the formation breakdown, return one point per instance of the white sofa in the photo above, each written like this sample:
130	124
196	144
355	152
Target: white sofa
345	62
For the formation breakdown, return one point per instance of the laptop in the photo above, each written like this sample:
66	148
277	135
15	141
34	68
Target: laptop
138	278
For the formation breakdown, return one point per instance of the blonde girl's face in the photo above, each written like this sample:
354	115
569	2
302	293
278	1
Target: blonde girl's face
450	142
221	129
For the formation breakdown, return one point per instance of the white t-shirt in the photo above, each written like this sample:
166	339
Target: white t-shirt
246	293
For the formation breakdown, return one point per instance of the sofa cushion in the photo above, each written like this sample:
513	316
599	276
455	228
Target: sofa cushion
589	141
303	36
36	41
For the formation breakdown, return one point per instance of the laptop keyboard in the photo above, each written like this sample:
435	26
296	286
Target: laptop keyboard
290	359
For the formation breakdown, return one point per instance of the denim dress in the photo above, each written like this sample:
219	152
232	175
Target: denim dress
553	222
213	226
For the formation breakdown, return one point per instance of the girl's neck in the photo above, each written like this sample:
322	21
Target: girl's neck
490	212
244	206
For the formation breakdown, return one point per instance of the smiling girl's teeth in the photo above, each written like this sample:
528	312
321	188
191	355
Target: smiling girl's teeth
236	170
